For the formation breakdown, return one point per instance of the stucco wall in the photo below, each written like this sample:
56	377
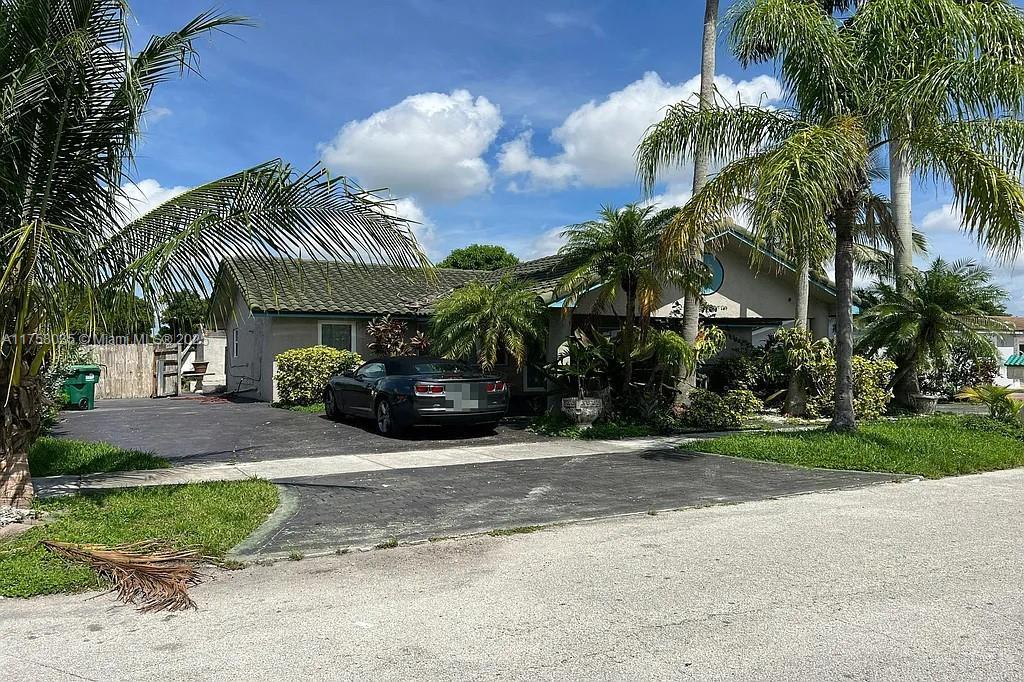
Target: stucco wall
243	372
744	293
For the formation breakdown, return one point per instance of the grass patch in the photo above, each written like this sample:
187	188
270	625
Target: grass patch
932	447
521	530
58	456
315	408
211	517
390	543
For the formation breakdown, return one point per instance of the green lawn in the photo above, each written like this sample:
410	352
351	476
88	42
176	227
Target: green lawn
932	447
212	517
56	456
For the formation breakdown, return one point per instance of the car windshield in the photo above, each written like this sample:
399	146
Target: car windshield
438	368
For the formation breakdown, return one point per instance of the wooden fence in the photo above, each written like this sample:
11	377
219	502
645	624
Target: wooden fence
126	370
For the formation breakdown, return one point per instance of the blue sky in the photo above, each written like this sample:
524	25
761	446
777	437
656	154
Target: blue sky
490	122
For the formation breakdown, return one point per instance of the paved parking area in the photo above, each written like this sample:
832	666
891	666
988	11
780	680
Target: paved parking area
203	430
325	513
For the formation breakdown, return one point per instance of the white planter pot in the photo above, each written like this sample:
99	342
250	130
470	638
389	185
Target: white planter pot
582	411
925	404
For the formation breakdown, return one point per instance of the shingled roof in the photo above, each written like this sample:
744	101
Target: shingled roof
330	287
292	286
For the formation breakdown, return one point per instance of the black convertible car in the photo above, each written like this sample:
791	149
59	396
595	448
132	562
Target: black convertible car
401	391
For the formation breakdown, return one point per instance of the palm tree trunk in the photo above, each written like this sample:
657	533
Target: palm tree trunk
627	338
21	416
900	187
900	180
844	418
796	394
692	300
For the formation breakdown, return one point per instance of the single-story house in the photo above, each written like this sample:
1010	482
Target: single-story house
268	308
1010	344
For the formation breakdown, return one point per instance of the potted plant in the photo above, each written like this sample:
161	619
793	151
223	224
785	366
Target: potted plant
580	362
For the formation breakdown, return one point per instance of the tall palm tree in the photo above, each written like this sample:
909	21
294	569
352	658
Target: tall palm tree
814	159
620	254
692	297
488	319
72	96
929	313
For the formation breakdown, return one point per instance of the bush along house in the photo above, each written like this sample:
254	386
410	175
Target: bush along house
268	307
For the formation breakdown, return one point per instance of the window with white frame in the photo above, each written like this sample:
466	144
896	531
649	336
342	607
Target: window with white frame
340	335
234	342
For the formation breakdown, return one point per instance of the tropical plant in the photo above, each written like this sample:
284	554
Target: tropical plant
72	98
479	257
582	362
709	411
812	163
869	377
958	371
300	374
998	399
619	255
933	312
484	320
391	337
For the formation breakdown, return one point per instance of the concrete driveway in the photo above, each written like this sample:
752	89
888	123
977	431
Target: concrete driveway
205	430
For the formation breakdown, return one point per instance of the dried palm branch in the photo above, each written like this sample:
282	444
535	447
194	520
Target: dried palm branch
150	574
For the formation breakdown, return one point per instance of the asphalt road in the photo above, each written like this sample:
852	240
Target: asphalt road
202	430
911	581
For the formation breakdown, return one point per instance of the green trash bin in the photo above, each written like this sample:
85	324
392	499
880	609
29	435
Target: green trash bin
80	386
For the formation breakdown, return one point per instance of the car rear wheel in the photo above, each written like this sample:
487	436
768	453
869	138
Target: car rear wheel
386	424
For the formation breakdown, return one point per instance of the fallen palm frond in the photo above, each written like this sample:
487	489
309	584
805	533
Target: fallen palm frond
150	574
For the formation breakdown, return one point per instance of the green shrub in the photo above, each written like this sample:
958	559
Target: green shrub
711	412
302	373
871	394
744	402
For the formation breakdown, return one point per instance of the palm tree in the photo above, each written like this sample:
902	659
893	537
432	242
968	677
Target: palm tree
692	296
72	96
813	161
928	314
486	319
619	254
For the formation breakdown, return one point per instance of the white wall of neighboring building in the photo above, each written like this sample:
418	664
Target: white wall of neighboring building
1009	343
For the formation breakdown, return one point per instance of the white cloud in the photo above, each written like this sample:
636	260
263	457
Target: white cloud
154	114
428	145
146	195
675	194
947	218
598	140
544	244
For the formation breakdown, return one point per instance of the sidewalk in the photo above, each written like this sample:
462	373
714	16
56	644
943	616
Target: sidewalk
277	469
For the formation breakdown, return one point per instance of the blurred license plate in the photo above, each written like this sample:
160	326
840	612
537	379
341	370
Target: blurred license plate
466	396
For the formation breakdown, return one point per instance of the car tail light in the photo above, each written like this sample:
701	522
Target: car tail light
429	389
495	386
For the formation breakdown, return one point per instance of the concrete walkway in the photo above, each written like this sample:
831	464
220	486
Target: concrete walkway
295	467
916	581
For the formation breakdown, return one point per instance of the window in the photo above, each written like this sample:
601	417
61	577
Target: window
340	335
1020	348
234	342
371	370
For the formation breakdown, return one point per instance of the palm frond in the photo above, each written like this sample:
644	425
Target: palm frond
150	574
